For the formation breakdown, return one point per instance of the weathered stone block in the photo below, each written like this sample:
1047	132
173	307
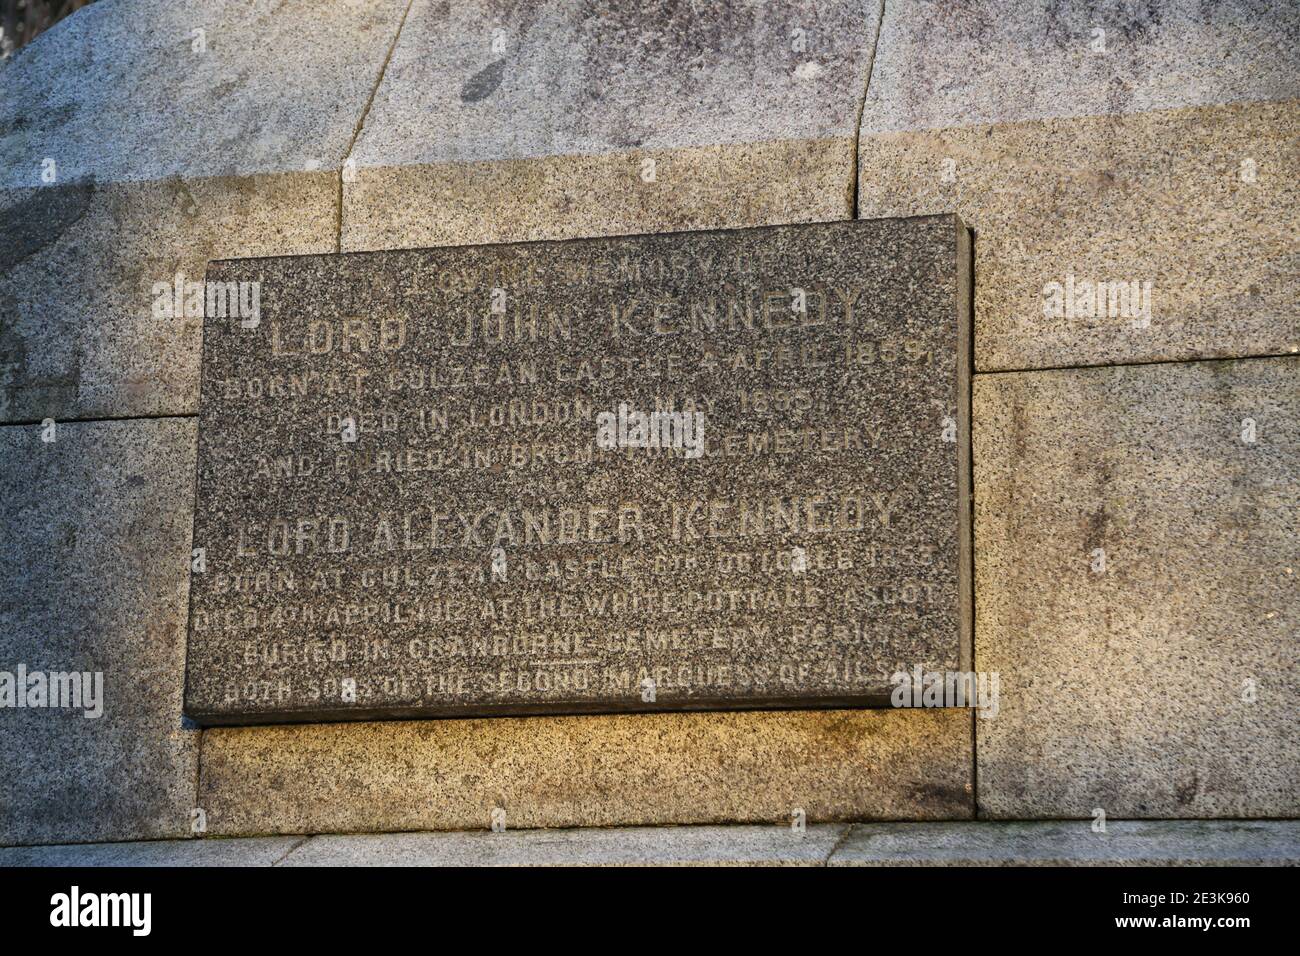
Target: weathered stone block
1136	582
1104	142
96	526
560	197
142	90
1177	215
619	770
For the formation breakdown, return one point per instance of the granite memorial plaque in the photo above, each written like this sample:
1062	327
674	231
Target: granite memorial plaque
680	471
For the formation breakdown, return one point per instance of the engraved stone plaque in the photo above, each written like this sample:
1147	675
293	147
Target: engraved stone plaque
683	471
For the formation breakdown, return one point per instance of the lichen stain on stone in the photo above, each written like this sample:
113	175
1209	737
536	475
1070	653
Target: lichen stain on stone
483	83
843	731
941	796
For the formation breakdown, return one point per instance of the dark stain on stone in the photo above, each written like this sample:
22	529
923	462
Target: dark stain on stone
181	195
50	119
1141	21
1186	793
222	90
1098	523
1019	435
69	536
40	218
13	350
941	796
1069	22
1105	180
1095	533
1119	99
839	734
26	395
1057	30
483	83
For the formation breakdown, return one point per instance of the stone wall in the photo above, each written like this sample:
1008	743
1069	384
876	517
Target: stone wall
1150	143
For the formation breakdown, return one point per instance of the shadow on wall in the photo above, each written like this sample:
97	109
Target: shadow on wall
96	531
22	21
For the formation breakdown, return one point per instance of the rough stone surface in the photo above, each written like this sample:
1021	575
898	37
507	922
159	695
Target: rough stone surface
1155	198
257	851
941	64
637	769
534	121
810	541
614	846
96	531
1192	201
1162	152
1165	684
130	90
561	197
79	336
1054	843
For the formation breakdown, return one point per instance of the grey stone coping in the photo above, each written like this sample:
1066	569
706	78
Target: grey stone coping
548	121
232	88
476	82
251	851
138	90
1073	843
1067	843
942	64
672	846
